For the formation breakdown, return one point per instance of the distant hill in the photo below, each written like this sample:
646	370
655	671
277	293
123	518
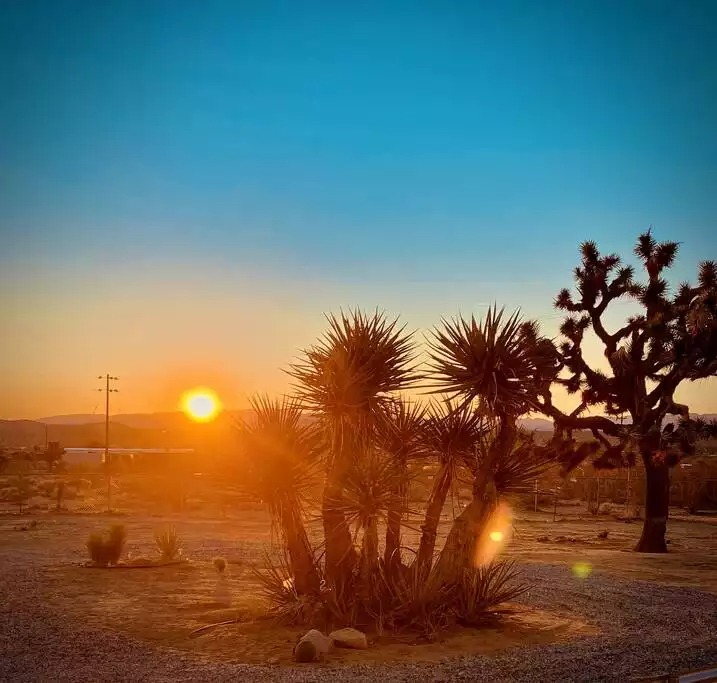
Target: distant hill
170	420
152	430
536	424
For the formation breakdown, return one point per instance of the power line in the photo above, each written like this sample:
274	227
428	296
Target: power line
108	390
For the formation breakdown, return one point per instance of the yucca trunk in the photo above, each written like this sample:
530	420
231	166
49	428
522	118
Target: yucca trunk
467	532
340	553
369	548
306	578
392	551
469	528
429	529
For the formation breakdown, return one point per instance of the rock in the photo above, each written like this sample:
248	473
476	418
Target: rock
349	637
305	652
312	646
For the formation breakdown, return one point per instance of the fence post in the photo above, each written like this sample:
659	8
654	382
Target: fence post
597	496
555	502
535	503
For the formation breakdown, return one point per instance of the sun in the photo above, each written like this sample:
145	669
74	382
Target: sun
201	404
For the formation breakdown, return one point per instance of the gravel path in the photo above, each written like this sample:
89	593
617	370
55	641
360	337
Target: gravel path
652	629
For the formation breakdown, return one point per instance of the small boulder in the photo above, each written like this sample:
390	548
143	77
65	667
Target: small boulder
349	637
312	646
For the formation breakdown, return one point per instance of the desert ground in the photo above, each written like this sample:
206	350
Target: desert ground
596	611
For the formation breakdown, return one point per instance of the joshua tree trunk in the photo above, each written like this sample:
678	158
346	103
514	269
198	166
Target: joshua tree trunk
429	529
306	578
657	502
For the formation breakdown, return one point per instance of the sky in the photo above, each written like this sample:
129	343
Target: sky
187	188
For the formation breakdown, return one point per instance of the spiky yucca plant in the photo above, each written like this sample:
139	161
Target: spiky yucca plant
281	457
504	362
450	434
168	543
400	437
501	365
347	380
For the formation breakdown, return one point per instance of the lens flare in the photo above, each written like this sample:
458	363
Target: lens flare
494	535
582	570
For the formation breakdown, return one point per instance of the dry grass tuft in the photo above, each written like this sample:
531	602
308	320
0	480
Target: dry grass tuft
168	543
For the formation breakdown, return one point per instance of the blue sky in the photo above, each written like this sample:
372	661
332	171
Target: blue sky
213	176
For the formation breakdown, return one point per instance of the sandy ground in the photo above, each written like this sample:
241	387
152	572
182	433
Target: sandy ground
602	608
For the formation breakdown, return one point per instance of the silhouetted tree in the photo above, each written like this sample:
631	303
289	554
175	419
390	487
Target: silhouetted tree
673	339
496	368
347	381
280	464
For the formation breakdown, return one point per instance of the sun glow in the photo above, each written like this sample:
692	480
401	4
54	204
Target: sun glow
201	404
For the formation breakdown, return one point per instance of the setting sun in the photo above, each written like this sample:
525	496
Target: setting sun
201	404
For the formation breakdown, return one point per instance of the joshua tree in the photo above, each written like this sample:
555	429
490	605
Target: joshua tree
281	457
672	340
501	365
346	381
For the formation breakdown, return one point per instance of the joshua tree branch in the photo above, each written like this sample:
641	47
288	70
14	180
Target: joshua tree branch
599	328
573	422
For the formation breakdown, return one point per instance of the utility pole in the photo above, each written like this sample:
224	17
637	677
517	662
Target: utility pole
108	378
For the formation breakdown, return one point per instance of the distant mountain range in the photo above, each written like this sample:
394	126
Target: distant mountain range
150	430
170	420
136	420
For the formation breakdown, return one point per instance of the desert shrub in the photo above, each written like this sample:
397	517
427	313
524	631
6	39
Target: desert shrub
482	589
116	539
106	548
168	543
220	564
97	548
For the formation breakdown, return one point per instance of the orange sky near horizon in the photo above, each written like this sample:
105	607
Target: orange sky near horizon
235	334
